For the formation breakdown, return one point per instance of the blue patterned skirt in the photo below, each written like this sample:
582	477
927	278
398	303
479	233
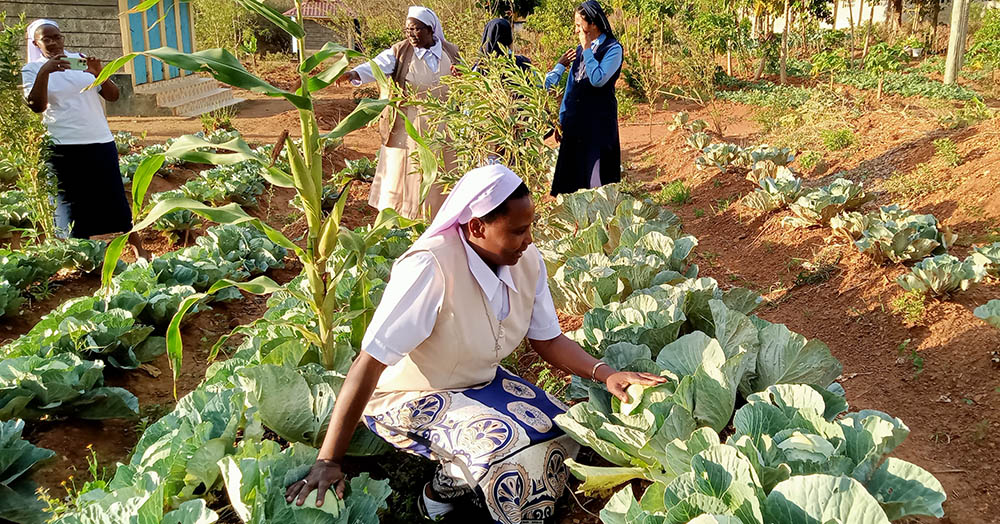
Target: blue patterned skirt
499	440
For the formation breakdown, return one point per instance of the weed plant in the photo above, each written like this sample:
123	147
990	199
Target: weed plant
675	193
837	139
809	160
946	149
911	305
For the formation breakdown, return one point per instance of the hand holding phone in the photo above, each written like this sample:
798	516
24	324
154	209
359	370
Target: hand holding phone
77	64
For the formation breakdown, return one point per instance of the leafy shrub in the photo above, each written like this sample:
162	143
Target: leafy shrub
36	264
818	206
810	160
837	139
15	212
894	234
907	84
786	457
973	112
988	257
125	141
598	221
34	386
985	50
639	262
698	141
676	193
947	151
174	222
941	275
775	192
18	458
767	94
990	312
830	62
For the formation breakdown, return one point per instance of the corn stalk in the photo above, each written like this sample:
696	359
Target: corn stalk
324	235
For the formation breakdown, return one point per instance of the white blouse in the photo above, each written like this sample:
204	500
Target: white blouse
408	311
72	117
386	61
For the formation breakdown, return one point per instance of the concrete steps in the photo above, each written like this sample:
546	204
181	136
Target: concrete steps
189	96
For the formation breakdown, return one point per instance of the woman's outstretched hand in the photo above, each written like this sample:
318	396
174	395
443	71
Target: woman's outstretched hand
567	58
323	475
617	382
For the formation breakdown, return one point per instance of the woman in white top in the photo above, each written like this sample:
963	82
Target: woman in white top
416	65
428	379
84	159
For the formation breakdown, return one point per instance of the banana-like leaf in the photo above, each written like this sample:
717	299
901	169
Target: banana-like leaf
140	182
175	345
428	160
275	17
329	49
190	148
329	75
111	256
366	111
220	63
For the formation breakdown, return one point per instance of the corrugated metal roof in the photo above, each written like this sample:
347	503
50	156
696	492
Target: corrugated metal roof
319	9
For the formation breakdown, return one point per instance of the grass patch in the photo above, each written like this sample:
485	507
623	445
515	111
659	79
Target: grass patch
674	193
837	139
923	180
911	306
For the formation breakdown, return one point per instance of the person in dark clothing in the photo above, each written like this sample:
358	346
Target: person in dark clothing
498	38
590	151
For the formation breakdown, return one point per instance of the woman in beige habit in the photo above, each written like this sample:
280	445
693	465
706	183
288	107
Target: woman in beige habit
416	65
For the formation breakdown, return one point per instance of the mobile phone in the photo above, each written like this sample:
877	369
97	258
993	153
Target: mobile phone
77	64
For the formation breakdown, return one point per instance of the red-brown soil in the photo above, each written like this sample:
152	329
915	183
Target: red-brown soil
950	403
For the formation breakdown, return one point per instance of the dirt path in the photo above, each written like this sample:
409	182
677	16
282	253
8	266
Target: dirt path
949	399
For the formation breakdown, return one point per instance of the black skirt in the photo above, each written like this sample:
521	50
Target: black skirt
91	196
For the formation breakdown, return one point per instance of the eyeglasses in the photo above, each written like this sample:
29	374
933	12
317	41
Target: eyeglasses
414	30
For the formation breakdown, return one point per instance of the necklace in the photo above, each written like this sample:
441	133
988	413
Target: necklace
499	332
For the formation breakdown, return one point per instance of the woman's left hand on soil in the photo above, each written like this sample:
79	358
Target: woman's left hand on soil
617	382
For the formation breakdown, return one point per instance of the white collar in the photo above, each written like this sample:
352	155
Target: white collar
487	279
597	42
435	50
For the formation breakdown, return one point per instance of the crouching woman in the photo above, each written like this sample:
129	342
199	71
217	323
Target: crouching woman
428	379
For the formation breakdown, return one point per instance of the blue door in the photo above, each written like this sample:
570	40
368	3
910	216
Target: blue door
167	24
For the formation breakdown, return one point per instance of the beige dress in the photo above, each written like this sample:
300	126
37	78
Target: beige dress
398	176
450	399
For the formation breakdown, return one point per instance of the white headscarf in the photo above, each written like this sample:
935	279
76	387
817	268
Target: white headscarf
34	52
428	17
477	193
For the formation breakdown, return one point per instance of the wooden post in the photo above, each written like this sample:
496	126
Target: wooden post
784	41
956	44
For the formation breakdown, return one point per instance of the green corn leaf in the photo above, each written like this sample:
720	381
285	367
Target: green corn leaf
140	182
329	75
329	49
366	111
111	256
220	63
175	345
143	6
275	17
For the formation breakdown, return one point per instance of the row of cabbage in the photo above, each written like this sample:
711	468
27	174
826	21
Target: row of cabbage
57	367
750	427
22	270
891	234
251	428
